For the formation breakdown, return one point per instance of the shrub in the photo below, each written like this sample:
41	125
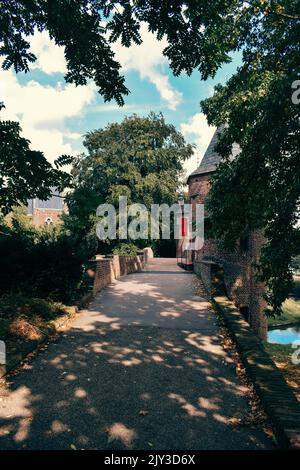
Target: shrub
40	264
295	264
125	249
12	305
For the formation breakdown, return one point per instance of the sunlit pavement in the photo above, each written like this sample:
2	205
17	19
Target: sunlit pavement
142	368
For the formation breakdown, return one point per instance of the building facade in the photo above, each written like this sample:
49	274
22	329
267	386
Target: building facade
238	267
46	212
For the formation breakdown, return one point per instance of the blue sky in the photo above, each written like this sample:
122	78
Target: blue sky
55	115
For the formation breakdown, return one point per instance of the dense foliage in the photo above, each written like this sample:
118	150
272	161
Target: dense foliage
41	263
261	188
125	249
86	29
296	263
74	24
25	173
140	158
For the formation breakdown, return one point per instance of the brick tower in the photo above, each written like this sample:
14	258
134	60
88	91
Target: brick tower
238	267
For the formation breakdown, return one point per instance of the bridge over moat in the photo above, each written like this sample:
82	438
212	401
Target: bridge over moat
143	367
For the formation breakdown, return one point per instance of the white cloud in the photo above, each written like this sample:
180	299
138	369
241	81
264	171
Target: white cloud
148	60
197	131
42	110
127	108
50	57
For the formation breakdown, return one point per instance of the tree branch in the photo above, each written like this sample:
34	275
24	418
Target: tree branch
278	13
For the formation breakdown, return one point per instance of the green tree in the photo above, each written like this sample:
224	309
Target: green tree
37	261
87	28
259	189
140	158
25	173
74	24
19	216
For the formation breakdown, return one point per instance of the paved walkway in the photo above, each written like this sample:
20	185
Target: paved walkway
142	368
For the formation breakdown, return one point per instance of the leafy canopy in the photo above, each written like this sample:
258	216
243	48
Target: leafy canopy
25	173
200	33
140	158
41	262
261	188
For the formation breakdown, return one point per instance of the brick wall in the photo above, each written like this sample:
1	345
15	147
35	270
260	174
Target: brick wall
131	264
235	268
257	305
104	270
239	275
39	216
104	273
203	270
238	266
198	188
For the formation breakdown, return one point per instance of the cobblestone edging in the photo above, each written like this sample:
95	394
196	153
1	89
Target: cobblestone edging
279	401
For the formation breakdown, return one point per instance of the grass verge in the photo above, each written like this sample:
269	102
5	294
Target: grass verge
290	309
26	322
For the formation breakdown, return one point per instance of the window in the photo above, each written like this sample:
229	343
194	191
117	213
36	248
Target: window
245	313
48	221
244	244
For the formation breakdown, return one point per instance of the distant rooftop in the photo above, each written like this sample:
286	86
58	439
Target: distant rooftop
211	158
54	202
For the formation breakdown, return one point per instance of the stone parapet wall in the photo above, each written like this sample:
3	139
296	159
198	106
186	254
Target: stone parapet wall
239	277
235	270
106	269
203	270
148	254
131	264
277	397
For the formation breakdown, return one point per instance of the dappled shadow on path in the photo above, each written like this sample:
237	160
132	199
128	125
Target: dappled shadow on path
168	301
143	368
130	388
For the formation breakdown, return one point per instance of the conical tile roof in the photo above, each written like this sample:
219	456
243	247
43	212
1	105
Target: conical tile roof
211	158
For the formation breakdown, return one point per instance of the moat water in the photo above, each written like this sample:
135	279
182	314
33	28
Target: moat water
284	335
